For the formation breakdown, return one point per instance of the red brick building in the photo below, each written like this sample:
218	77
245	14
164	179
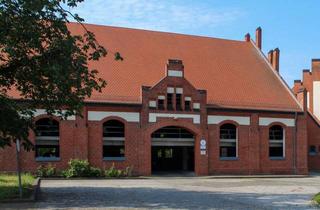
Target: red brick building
308	94
179	103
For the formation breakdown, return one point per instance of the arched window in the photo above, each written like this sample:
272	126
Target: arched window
228	141
113	140
47	139
276	141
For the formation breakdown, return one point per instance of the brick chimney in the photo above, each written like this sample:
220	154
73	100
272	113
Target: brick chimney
270	56
259	38
175	68
276	59
247	37
316	68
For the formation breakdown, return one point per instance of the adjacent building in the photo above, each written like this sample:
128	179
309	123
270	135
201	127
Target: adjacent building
308	94
179	103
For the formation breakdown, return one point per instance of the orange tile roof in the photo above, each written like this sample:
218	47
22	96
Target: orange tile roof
234	73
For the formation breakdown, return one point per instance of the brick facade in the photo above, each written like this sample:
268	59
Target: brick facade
82	137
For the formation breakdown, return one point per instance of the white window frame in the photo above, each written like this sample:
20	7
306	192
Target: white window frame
277	141
236	139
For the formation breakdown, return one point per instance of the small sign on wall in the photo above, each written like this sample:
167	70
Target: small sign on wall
203	147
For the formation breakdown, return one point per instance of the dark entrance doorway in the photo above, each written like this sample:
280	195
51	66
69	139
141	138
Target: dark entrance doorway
172	150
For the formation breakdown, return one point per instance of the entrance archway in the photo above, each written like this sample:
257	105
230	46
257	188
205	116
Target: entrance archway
172	150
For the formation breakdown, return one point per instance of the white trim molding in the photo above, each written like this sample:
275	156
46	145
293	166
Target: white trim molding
216	119
152	104
170	89
316	98
39	112
179	90
265	121
153	117
175	73
128	116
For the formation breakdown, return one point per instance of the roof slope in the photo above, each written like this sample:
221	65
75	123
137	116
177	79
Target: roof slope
233	72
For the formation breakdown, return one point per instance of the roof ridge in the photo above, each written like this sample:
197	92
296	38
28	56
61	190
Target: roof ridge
161	32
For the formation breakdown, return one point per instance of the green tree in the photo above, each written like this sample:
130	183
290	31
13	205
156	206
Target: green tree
44	62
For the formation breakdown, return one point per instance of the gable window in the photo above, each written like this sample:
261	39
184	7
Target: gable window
169	101
228	141
276	142
178	102
161	102
113	140
187	103
312	150
47	139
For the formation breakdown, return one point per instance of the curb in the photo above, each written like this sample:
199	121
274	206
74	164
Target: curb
32	198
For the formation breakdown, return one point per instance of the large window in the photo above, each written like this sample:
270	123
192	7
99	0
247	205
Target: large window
113	140
47	139
228	141
276	142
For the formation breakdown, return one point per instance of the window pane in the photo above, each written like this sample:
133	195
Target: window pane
113	151
47	151
161	104
178	102
47	127
187	105
228	151
228	131
169	101
276	151
276	132
113	128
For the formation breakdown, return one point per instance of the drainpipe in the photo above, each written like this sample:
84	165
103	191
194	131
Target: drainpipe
295	143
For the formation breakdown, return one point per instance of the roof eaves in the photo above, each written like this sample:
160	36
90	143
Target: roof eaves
277	75
254	108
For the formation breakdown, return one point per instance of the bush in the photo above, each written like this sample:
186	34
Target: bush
46	171
116	173
81	168
112	172
316	199
95	172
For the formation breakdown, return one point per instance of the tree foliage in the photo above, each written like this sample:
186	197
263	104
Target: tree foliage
44	62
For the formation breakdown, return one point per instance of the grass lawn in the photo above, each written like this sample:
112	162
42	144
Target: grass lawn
316	199
9	185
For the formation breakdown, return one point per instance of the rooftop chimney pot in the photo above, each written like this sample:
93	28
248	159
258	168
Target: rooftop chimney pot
276	59
247	37
259	38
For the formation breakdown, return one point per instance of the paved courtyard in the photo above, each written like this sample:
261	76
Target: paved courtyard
176	193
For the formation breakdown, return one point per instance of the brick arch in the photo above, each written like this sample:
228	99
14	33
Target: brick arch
120	119
277	123
179	123
228	122
42	116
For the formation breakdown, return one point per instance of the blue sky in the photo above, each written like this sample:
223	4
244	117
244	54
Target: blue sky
291	25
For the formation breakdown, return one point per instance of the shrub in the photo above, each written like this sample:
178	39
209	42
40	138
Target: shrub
128	171
316	199
81	168
46	171
95	172
113	172
116	173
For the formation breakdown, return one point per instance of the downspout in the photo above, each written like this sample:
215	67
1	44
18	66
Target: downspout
295	143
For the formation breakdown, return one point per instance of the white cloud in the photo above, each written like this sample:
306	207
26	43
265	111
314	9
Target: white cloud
168	15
